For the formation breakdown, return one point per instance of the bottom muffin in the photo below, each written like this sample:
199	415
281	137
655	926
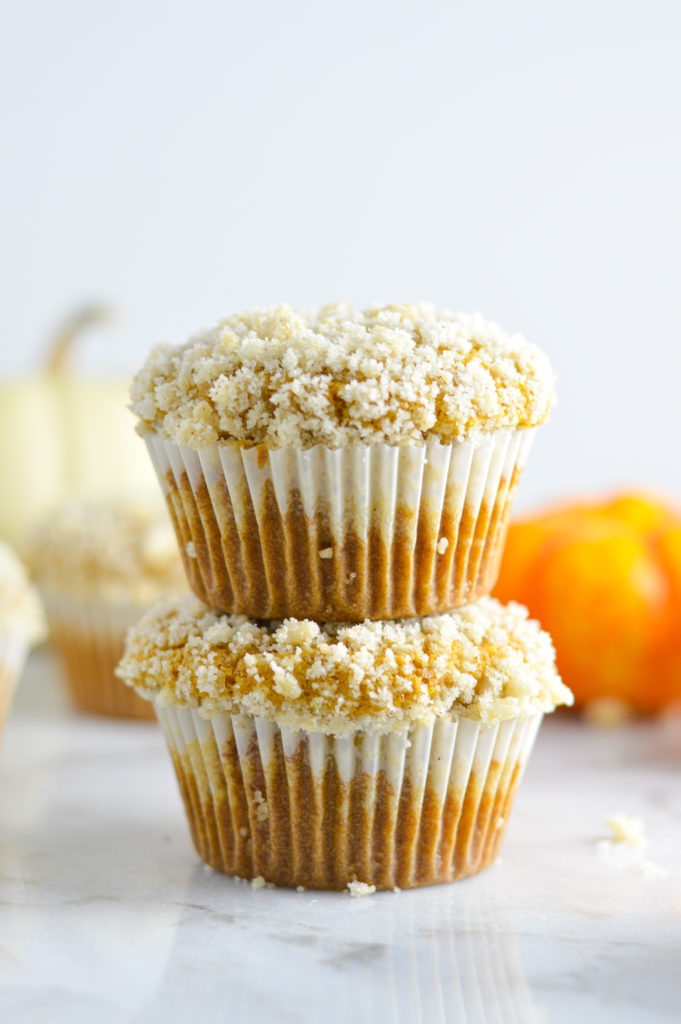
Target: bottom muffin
426	805
387	753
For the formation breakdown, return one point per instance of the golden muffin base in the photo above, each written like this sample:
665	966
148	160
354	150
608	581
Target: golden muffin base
342	536
417	808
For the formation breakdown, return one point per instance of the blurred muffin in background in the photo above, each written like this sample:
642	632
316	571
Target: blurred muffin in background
99	565
21	624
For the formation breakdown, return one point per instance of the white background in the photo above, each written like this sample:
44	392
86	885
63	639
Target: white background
183	160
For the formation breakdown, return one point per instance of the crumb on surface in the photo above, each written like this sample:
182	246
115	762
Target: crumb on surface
626	846
262	811
326	553
442	545
388	374
627	828
356	888
258	882
651	870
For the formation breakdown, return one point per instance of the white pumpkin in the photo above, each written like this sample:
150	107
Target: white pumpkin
64	434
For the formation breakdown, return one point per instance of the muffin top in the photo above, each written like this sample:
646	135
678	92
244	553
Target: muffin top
118	551
389	374
487	661
20	609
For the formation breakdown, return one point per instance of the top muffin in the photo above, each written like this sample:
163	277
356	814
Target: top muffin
389	374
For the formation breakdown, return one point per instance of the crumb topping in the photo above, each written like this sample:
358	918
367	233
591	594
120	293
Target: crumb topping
389	374
486	661
121	550
20	608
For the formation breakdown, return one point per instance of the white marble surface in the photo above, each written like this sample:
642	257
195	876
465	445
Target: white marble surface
107	915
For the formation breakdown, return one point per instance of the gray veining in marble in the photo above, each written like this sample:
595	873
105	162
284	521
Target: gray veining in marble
106	914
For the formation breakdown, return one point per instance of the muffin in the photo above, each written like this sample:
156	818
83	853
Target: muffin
386	753
344	465
100	565
21	624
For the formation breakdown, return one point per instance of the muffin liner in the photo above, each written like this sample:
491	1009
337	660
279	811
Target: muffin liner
13	651
88	637
342	534
428	804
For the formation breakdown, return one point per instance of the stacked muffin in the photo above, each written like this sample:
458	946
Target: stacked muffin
340	485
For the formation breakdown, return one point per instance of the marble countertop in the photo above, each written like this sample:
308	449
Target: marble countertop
107	915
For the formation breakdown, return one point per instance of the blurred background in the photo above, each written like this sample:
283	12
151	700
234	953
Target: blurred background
180	161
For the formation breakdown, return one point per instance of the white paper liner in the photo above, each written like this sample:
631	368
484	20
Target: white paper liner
89	636
342	534
429	804
13	652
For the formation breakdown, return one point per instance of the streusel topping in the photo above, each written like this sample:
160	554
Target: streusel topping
20	609
390	374
121	550
486	661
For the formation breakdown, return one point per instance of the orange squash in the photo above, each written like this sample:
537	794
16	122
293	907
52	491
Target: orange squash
605	580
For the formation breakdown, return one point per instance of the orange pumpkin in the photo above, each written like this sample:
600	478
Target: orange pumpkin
605	580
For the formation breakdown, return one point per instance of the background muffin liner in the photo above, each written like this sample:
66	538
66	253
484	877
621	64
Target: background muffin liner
342	534
88	637
13	652
429	804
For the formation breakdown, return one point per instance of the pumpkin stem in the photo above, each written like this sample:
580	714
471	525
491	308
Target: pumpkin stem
62	345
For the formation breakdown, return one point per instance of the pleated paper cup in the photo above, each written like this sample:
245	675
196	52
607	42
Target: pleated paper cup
13	651
342	535
88	637
296	808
